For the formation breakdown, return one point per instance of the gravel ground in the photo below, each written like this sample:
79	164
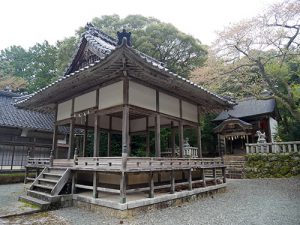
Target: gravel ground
9	203
256	201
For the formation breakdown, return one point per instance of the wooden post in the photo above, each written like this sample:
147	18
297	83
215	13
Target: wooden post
95	192
71	138
109	138
199	146
190	179
54	149
157	136
224	174
147	137
96	136
125	132
173	139
85	135
151	185
203	177
123	184
199	143
74	176
172	190
215	175
181	141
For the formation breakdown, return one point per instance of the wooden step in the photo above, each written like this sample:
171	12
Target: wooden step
43	205
48	180
43	186
53	174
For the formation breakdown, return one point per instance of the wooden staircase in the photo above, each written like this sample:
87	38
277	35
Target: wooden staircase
45	189
235	166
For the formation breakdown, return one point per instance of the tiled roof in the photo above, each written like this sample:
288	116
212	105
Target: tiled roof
11	116
248	108
103	45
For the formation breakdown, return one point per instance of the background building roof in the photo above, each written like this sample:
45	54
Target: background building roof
248	108
11	116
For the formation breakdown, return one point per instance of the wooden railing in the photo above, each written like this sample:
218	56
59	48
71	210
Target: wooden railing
188	152
38	162
275	147
145	163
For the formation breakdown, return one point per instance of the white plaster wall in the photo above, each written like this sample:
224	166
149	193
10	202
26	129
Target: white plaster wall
273	128
111	95
104	121
85	101
189	111
169	105
64	110
142	96
138	125
116	123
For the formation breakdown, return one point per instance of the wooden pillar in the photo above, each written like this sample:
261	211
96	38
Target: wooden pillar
172	190
181	141
54	138
151	185
203	177
85	135
109	138
199	145
129	143
215	175
71	138
96	136
147	137
157	136
95	192
125	130
74	180
224	174
190	179
173	140
123	184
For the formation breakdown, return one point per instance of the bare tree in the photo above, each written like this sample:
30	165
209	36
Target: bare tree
253	45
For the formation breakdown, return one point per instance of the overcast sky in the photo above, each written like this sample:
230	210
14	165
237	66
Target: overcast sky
26	22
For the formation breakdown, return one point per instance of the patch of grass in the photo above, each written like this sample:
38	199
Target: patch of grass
28	205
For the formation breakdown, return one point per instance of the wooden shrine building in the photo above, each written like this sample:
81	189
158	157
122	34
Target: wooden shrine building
23	133
238	126
112	87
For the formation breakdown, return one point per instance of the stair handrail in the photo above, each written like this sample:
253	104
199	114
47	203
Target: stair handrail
65	176
37	178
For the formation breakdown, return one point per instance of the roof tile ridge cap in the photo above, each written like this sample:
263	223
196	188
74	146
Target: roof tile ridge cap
150	57
91	38
102	34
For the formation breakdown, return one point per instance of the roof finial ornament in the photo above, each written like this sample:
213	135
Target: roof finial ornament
124	35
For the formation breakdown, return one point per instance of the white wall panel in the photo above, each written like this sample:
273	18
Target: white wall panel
64	110
85	101
142	96
168	105
138	125
116	123
111	95
189	111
